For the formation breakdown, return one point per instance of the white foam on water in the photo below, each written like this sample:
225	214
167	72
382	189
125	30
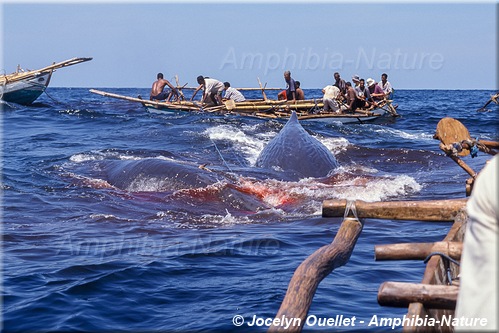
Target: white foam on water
309	193
102	155
249	145
334	144
225	220
404	134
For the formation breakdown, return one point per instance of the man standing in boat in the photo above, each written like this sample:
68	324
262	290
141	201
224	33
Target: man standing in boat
157	92
386	86
290	87
212	90
340	83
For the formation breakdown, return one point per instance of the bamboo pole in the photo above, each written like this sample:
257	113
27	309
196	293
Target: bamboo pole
263	89
33	73
428	210
181	105
417	251
401	294
461	163
489	144
313	270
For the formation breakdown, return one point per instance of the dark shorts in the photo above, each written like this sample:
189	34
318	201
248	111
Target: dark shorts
162	95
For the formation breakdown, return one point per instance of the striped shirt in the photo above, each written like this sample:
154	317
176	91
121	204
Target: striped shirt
234	94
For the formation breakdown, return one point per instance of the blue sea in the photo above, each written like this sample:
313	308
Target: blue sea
183	249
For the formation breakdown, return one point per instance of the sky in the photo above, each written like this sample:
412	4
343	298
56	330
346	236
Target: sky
420	45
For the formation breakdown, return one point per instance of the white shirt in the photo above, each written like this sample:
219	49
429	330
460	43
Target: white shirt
213	86
478	284
387	88
234	94
331	92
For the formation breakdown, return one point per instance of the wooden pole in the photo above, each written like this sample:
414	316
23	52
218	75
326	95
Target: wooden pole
181	105
263	89
313	270
463	165
428	210
401	294
32	73
417	251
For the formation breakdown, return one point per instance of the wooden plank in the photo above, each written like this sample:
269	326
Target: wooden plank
417	251
427	210
401	294
313	270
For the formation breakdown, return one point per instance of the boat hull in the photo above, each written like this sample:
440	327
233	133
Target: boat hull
25	91
435	274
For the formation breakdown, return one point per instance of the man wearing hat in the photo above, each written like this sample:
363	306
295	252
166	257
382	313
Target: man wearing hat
356	80
375	90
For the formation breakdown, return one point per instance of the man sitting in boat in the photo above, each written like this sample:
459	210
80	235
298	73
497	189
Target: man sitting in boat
350	97
386	86
363	99
375	90
232	93
158	92
290	86
281	96
212	90
300	95
356	80
331	94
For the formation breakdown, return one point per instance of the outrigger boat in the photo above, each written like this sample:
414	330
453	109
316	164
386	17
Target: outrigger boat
307	110
434	299
25	86
431	303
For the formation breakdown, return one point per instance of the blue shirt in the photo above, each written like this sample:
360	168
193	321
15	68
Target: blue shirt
290	88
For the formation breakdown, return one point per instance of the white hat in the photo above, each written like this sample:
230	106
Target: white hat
370	82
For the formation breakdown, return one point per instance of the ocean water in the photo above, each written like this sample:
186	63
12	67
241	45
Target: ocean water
178	248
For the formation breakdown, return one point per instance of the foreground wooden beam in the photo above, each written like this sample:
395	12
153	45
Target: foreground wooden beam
313	270
400	294
417	251
428	210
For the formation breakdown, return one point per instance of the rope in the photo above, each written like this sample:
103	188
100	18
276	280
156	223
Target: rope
443	255
473	144
446	260
56	101
220	154
350	208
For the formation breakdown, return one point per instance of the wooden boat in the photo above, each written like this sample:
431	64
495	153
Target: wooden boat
25	86
311	111
307	110
431	303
